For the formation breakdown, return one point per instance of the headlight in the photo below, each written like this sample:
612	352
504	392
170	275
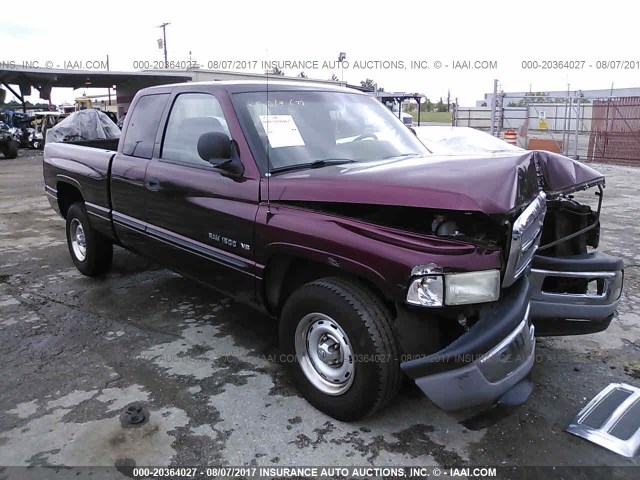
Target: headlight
472	287
455	289
426	291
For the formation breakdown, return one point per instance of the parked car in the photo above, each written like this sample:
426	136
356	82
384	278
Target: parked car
396	108
380	259
43	121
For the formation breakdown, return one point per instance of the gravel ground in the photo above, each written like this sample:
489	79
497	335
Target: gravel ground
74	351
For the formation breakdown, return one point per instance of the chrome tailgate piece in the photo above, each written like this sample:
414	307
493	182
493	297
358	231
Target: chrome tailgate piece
611	419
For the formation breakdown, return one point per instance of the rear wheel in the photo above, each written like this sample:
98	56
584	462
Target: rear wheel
340	348
90	251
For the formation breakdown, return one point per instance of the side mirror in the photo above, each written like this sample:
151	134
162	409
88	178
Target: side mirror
214	147
220	151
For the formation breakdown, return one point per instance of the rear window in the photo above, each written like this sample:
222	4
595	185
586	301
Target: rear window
143	125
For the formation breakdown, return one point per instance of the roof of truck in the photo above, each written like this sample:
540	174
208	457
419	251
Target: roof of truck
237	86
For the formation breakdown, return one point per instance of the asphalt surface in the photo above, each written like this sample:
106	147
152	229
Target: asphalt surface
74	351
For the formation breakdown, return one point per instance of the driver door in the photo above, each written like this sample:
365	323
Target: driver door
200	221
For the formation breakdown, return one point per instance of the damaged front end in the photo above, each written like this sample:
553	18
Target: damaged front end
490	362
574	290
492	359
554	283
467	345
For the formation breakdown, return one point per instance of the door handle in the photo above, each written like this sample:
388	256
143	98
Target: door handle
153	184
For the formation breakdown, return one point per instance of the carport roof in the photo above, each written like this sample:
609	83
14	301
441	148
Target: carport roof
37	77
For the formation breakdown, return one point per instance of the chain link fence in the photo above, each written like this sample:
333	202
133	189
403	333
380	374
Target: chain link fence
594	129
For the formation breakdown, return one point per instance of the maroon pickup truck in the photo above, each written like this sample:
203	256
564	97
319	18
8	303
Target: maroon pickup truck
379	258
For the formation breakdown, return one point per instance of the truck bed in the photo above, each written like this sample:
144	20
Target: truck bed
84	166
101	143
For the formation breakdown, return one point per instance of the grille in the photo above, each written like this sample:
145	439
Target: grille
611	420
525	238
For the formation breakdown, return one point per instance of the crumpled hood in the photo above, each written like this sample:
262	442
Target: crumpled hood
492	184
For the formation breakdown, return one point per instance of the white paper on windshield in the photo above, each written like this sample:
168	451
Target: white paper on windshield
281	130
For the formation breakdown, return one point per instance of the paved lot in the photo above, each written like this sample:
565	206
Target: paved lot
74	351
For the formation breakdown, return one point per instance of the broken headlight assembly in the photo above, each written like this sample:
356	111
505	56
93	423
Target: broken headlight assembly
454	288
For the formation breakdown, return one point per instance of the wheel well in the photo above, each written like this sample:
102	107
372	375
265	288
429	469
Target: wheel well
67	196
284	274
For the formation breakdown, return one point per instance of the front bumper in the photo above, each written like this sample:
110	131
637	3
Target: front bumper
556	313
479	368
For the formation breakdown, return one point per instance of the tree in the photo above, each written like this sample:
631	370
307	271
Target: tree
440	106
368	83
277	71
302	75
13	105
426	106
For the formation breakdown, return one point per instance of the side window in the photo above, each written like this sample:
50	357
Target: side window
192	115
142	129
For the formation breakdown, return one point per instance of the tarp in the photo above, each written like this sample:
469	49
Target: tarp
88	124
445	140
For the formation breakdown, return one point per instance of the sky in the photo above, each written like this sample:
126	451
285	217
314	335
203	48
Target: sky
380	39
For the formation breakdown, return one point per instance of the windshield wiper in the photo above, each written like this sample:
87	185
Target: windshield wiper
316	164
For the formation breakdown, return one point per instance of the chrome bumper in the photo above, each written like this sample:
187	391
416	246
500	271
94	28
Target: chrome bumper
556	313
486	380
483	365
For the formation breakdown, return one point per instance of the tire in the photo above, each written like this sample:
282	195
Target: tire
90	251
11	150
363	374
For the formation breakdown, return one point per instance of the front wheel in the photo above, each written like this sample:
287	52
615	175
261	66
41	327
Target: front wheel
340	348
90	251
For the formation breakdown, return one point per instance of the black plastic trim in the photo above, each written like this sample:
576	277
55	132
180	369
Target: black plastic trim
586	262
497	321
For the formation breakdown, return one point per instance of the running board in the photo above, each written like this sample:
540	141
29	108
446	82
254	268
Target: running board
611	420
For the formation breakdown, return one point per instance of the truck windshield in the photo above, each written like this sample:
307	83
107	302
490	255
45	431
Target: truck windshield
293	129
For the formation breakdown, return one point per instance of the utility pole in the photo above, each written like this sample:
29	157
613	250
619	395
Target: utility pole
492	129
341	58
164	42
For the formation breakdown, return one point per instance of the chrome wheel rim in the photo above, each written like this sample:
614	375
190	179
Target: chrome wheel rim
324	352
78	240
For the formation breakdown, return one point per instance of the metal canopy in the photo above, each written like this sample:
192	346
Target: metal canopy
44	79
37	77
400	97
